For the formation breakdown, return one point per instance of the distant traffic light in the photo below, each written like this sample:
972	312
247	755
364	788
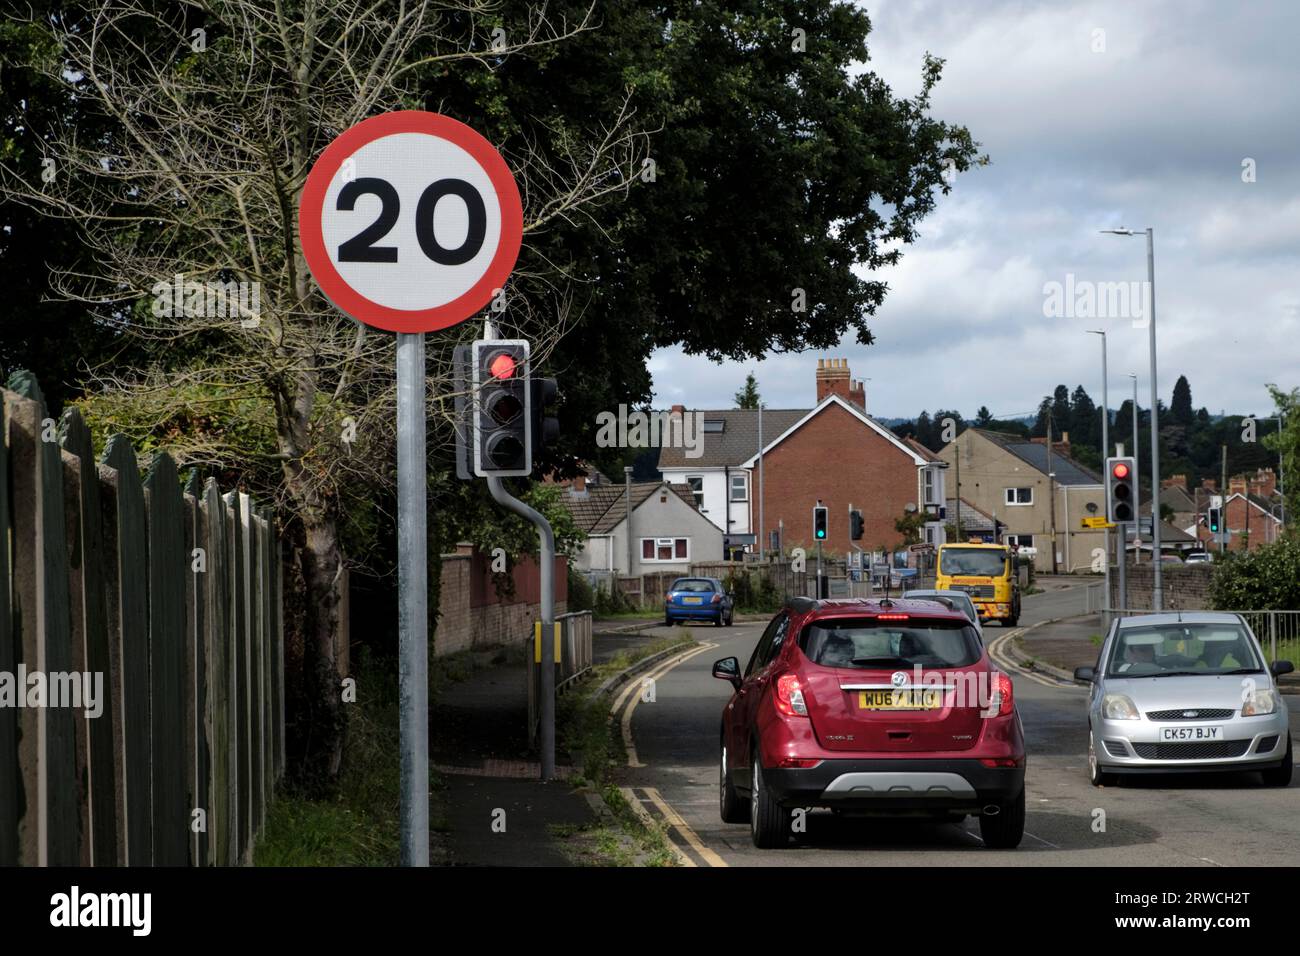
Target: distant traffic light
501	414
855	525
819	522
1121	490
1213	520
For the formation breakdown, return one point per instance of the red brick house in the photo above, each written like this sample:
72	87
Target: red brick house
834	452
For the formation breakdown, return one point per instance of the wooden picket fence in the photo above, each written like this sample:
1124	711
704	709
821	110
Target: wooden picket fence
173	596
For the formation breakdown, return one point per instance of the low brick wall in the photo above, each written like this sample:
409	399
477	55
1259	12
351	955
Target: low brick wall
471	613
1186	587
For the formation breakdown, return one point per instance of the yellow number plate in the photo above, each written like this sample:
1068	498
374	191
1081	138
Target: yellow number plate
900	699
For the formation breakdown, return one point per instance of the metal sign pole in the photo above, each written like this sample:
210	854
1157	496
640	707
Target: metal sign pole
412	600
546	714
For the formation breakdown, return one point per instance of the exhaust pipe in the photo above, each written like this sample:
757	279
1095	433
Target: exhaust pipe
992	810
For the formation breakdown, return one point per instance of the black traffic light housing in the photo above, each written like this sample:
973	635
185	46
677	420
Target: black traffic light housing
1121	490
545	428
500	415
855	525
1213	520
819	522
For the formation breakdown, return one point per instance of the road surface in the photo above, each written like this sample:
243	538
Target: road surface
1214	820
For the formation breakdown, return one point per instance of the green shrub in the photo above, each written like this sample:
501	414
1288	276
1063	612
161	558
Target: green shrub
581	595
1266	579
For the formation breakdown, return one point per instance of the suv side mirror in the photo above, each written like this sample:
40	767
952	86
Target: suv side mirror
1278	668
728	669
1086	674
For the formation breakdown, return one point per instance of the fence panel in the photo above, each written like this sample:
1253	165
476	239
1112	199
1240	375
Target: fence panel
88	550
143	628
9	787
49	831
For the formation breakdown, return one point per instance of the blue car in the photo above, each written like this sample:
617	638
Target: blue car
698	599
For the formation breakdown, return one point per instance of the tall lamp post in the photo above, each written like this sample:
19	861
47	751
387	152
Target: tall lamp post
1157	578
1137	460
1281	484
1105	453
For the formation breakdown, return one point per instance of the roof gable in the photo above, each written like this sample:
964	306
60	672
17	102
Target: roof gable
1068	471
853	410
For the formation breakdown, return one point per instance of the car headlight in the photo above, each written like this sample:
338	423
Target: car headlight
1118	707
1258	703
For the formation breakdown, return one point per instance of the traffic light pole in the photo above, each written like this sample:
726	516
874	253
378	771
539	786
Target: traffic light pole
412	600
547	560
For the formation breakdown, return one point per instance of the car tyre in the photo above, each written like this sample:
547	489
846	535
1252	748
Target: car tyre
730	807
766	818
1096	776
1280	776
1005	829
717	621
731	618
668	621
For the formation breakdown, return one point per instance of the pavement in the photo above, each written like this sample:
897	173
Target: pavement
496	809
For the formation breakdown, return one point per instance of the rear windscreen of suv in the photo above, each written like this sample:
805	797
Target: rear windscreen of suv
872	643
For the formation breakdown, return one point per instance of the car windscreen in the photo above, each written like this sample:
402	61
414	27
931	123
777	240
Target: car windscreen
692	584
873	643
973	562
1183	649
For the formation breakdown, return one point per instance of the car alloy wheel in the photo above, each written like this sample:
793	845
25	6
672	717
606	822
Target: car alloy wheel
1096	776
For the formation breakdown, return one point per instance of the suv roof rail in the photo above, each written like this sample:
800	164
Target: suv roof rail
802	603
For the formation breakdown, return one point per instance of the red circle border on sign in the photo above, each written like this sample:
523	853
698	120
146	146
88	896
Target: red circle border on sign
333	284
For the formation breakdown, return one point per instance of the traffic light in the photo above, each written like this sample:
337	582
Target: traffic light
819	522
1212	522
1121	490
545	428
501	414
855	525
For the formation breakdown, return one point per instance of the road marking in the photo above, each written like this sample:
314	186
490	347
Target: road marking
629	692
1001	658
634	802
674	820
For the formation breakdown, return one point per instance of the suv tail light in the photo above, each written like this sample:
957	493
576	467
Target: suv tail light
789	696
717	598
1002	699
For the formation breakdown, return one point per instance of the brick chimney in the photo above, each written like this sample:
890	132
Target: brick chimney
833	378
1174	481
1237	485
1210	485
1264	483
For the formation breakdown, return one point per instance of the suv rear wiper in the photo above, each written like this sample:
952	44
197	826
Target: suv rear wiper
864	661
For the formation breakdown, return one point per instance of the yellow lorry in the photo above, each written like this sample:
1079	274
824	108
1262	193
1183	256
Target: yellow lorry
987	572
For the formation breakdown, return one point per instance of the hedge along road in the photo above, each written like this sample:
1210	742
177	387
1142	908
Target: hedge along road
1217	819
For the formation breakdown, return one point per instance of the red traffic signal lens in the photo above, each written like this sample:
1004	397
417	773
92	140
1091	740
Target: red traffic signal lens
1120	470
502	366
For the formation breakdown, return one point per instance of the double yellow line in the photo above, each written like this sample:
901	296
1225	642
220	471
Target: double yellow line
626	703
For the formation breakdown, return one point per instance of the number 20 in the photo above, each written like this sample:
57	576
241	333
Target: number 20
362	248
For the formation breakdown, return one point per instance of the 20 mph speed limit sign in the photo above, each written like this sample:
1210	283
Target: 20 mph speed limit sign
410	222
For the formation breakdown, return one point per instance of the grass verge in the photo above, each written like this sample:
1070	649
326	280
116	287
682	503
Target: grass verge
595	743
358	825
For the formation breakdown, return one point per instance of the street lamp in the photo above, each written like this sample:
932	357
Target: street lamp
1137	459
1157	583
1105	453
1281	485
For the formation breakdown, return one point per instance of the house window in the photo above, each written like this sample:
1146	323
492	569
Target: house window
1023	540
715	424
930	498
697	489
665	549
740	487
1019	496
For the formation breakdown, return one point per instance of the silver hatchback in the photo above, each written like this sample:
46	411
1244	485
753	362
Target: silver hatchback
1185	692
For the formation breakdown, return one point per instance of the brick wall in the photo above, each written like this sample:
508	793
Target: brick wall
472	614
1185	587
837	458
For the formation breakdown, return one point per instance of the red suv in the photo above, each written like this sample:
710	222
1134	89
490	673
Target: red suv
871	707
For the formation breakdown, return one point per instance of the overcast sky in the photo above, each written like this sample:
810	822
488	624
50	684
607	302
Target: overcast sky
1151	132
